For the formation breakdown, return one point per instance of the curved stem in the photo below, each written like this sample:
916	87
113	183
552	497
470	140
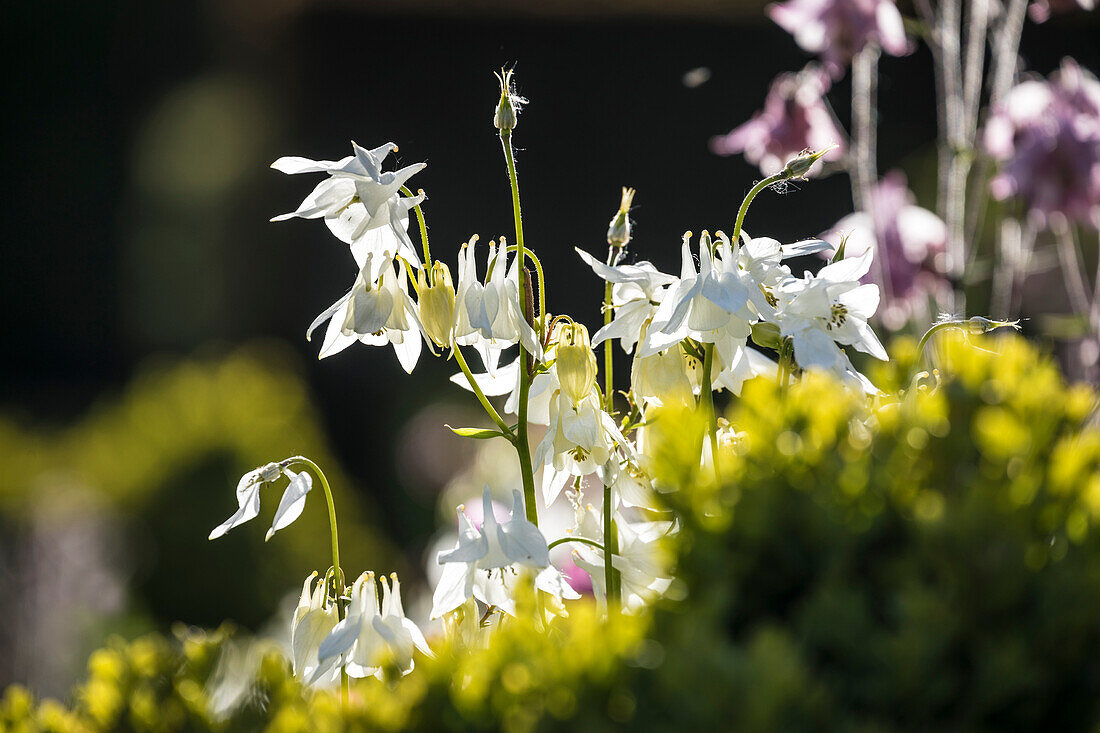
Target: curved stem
492	411
337	570
542	281
522	443
770	180
582	540
706	401
423	229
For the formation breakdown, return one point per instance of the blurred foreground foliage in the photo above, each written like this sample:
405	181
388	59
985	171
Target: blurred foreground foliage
932	564
164	456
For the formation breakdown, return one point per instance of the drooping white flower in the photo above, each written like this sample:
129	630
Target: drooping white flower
581	438
314	618
360	203
375	312
468	569
642	561
369	640
488	315
710	306
248	498
671	376
822	312
637	292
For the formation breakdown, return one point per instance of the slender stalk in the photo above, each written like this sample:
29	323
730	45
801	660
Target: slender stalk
492	411
864	169
582	540
611	534
423	229
522	443
341	608
1071	266
706	401
542	284
1004	50
770	180
611	543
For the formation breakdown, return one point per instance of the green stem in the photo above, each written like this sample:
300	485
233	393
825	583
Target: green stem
542	282
610	531
611	545
706	401
583	540
492	411
341	608
522	443
423	229
748	200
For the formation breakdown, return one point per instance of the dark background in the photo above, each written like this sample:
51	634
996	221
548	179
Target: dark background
136	191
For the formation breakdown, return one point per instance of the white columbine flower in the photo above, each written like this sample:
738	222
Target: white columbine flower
314	618
360	203
824	311
641	561
248	498
580	439
638	290
481	558
368	639
710	306
375	312
489	316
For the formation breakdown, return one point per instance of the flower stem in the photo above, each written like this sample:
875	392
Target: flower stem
611	546
423	229
770	180
522	443
610	535
492	411
338	573
582	540
542	284
706	401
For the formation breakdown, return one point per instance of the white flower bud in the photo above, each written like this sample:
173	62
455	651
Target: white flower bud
576	362
437	303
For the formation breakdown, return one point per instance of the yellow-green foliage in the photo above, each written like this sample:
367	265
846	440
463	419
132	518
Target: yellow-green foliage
930	564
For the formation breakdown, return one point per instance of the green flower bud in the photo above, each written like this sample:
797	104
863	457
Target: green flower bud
576	362
618	231
765	334
508	108
437	303
799	166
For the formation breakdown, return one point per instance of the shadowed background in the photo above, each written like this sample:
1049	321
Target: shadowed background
136	203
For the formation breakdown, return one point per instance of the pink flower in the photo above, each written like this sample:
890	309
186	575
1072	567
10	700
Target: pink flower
1046	134
908	241
1041	10
839	29
795	117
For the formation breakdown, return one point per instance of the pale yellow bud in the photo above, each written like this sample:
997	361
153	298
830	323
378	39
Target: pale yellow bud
437	304
576	363
618	231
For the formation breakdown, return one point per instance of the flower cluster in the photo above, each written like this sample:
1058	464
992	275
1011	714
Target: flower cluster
1046	134
691	335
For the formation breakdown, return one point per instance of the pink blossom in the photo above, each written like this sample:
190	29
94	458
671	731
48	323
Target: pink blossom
839	29
1041	10
795	117
909	243
1046	135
